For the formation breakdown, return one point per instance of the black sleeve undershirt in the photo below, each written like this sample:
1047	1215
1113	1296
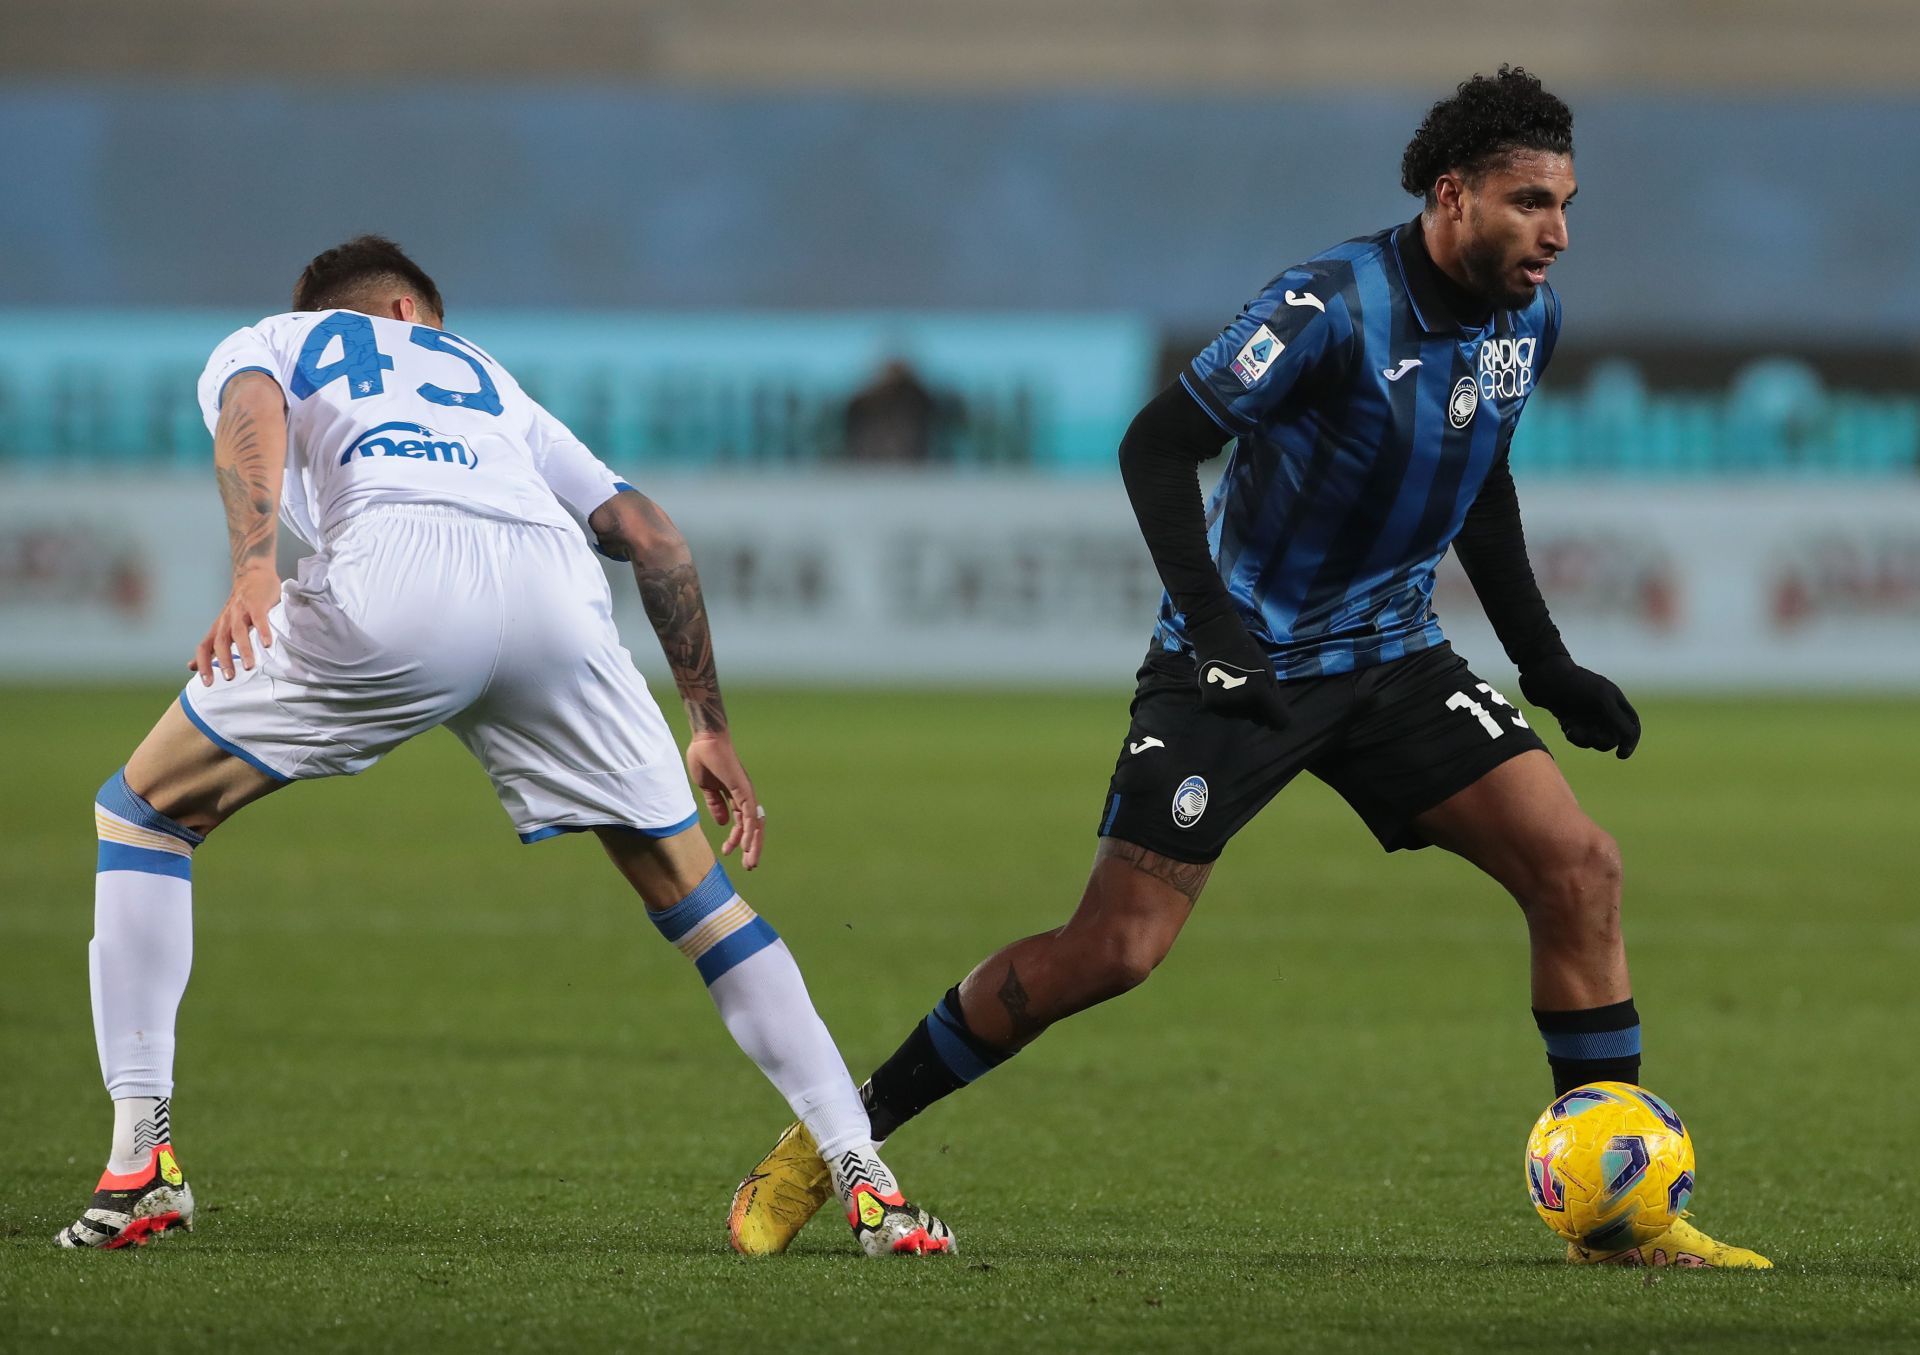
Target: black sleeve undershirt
1493	550
1160	460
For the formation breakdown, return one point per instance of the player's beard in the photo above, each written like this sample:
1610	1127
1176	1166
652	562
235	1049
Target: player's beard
1487	269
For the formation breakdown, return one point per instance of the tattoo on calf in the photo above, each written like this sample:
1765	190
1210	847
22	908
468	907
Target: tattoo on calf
1184	876
1020	1020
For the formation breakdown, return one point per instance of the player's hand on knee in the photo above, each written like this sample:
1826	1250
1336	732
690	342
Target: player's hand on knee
244	615
1593	712
728	791
1234	672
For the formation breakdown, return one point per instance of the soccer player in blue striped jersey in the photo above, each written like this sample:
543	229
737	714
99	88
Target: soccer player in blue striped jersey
1371	394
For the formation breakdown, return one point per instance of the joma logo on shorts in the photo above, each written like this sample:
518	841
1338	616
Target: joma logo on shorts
412	441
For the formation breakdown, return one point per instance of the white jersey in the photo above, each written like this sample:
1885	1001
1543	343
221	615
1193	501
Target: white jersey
382	411
440	595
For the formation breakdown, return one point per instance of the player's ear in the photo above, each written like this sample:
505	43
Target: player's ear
402	308
1449	195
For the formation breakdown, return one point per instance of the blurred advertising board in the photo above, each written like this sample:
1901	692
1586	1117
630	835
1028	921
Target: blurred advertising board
113	389
934	578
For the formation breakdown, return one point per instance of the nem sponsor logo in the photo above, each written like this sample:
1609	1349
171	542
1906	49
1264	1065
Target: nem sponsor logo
412	441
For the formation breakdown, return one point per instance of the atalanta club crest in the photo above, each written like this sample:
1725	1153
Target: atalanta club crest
1190	801
1464	401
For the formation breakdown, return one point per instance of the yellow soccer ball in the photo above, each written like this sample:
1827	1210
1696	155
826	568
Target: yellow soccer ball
1609	1166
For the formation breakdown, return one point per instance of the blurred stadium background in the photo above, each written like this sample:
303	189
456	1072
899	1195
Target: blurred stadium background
803	250
865	294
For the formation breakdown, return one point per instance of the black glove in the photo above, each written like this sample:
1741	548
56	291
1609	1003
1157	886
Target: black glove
1593	713
1235	675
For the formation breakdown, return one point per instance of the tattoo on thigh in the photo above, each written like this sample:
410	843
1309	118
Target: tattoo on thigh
1013	997
1184	876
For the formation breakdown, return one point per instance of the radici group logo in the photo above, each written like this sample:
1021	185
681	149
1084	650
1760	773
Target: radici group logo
1506	368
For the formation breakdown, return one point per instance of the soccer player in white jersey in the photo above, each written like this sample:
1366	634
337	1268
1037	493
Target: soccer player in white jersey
451	584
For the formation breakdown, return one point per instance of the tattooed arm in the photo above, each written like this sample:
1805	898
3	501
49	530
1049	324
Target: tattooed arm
633	527
249	461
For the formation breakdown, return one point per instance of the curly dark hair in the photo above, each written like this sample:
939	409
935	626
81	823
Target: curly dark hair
1487	119
342	275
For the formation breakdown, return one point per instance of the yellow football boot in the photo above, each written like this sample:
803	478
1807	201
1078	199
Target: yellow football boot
1681	1245
774	1203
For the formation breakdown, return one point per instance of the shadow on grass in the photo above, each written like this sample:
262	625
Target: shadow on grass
397	1232
1284	1261
1835	1269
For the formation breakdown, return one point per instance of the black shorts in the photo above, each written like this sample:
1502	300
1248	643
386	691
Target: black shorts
1395	740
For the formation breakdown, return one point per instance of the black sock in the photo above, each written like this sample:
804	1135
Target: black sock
1594	1044
940	1056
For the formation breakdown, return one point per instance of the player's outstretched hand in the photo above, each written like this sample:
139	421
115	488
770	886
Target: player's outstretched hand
1235	675
253	596
724	784
1593	712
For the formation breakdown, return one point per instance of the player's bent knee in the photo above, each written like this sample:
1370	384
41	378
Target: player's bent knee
134	836
1592	876
1122	959
713	926
1575	885
1128	970
1129	917
1603	862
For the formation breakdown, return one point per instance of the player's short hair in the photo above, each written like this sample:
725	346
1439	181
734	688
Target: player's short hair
345	274
1487	119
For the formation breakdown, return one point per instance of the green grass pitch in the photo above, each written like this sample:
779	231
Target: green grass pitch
438	1091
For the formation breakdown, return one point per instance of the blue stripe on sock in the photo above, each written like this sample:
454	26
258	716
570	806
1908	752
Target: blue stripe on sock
118	798
962	1057
120	856
750	940
1603	1044
710	895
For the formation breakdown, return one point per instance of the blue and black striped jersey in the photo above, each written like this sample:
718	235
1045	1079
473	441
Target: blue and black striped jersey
1367	412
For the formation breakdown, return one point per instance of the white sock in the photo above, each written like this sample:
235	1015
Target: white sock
764	1003
858	1166
140	1124
767	1010
142	946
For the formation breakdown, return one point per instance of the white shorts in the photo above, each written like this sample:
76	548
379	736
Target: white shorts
416	615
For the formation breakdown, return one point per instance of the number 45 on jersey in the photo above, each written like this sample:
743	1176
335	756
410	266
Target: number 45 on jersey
361	363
